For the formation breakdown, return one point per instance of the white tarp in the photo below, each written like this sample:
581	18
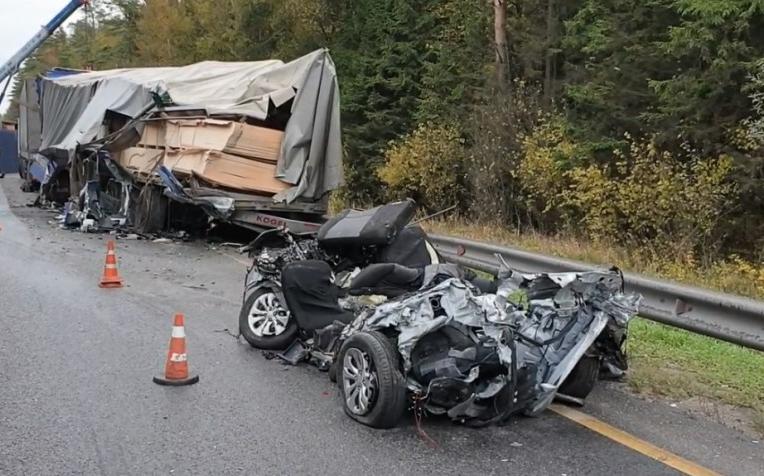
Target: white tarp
73	108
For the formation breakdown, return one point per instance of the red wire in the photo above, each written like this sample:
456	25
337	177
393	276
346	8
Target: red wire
419	430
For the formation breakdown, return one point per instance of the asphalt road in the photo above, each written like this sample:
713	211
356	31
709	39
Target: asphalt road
76	395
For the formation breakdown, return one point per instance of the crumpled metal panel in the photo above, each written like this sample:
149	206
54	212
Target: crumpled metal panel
728	317
218	207
539	326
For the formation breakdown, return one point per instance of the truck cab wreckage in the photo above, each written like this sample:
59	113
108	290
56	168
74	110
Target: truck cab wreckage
256	144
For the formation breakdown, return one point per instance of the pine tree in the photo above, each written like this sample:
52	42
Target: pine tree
379	54
610	59
458	54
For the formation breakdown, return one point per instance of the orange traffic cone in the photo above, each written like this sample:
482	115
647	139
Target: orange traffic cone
176	369
110	278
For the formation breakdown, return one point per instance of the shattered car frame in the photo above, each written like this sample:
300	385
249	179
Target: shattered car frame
396	328
479	358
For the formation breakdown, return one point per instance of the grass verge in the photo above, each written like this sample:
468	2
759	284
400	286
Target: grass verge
678	364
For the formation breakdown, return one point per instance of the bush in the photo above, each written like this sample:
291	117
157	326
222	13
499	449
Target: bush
428	166
646	198
547	153
671	205
591	204
496	128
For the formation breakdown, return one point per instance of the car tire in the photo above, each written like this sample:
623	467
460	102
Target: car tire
388	401
582	378
279	341
333	372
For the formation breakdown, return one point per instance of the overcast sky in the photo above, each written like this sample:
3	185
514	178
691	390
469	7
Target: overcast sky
19	21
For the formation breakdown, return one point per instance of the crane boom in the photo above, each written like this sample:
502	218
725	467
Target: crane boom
11	66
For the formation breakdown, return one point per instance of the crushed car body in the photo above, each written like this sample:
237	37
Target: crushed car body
369	299
479	358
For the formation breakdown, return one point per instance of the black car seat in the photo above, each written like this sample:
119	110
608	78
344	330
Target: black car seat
410	249
386	279
311	294
377	226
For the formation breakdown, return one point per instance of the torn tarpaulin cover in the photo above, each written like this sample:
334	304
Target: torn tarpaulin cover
310	160
481	357
218	207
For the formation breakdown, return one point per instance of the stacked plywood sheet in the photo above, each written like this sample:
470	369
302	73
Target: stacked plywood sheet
224	153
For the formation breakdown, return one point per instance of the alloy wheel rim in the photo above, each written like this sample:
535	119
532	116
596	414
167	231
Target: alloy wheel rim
267	316
359	381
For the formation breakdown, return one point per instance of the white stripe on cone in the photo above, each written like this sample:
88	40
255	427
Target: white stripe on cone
178	357
178	332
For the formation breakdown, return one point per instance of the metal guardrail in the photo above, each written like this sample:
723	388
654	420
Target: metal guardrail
727	317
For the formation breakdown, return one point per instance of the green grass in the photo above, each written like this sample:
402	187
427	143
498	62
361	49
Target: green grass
679	364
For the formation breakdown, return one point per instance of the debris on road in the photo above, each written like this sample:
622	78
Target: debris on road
232	244
195	286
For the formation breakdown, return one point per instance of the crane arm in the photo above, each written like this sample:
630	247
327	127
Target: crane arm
10	67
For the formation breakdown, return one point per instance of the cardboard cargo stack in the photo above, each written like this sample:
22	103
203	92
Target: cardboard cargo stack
223	153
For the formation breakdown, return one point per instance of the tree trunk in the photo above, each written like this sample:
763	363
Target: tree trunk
500	44
550	63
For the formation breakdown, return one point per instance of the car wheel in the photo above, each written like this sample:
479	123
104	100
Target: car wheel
265	322
372	387
582	378
333	372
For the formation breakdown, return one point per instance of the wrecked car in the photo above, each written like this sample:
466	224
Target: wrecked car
433	337
480	358
341	247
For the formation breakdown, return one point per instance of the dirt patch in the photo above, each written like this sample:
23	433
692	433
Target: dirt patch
745	420
679	389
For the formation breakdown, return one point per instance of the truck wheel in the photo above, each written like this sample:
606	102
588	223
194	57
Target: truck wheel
582	379
265	322
371	385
